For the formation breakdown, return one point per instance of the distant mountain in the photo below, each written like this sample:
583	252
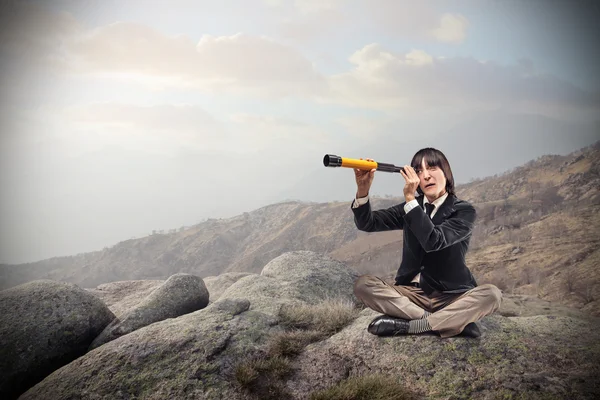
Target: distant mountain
536	232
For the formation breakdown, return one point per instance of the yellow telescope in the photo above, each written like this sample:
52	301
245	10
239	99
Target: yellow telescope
336	161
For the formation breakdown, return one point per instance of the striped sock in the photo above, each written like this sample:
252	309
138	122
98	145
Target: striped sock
418	326
426	314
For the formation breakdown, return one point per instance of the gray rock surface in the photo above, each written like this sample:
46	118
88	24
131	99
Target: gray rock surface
122	297
190	357
43	326
216	285
532	357
298	277
180	294
195	355
265	294
312	276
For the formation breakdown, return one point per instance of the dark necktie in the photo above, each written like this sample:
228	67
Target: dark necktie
429	209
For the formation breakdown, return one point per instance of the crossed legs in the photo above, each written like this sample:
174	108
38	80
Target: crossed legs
450	312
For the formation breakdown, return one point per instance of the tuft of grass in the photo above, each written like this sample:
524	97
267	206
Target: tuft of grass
372	387
263	376
327	317
245	374
291	343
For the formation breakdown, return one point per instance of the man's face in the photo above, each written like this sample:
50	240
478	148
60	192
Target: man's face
432	181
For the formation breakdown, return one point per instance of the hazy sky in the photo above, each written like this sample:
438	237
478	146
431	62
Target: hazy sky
120	117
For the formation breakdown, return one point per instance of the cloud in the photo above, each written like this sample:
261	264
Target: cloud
452	29
234	63
42	44
381	79
416	20
261	67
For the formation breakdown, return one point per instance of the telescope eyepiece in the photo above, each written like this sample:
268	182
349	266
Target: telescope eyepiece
332	161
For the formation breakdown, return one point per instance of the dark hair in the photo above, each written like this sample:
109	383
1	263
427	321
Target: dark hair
434	158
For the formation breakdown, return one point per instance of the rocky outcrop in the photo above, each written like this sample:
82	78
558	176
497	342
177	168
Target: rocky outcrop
541	356
43	326
180	294
197	355
190	357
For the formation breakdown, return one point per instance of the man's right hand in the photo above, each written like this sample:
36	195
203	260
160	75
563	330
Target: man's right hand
364	179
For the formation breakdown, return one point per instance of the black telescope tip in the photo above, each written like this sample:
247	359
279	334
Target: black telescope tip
332	161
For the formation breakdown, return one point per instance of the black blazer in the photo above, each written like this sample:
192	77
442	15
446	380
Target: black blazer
434	247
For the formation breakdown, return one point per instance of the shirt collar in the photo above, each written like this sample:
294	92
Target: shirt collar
437	202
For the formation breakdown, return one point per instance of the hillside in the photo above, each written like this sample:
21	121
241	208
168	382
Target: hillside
536	233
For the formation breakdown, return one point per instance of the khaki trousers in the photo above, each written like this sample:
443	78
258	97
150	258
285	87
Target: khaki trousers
450	312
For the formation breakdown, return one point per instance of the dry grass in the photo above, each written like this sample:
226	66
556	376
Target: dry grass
374	387
291	343
327	317
263	376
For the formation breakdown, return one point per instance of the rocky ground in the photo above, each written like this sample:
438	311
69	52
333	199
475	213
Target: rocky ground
296	329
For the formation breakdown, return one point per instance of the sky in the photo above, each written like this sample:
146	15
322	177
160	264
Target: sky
118	118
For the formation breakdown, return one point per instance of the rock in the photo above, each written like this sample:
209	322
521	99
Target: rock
216	285
298	277
189	357
265	294
194	356
123	296
180	294
44	325
312	276
524	305
516	250
529	357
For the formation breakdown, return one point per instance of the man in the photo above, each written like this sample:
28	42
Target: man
433	290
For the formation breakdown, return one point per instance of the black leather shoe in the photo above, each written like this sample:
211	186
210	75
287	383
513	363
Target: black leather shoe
388	326
471	330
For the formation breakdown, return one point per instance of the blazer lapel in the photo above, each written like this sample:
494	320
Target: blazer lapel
444	211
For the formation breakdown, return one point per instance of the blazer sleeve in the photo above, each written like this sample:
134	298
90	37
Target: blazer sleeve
380	220
456	228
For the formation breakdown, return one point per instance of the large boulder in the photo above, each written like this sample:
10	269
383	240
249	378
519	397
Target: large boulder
123	296
312	276
541	356
265	294
298	277
190	357
216	285
180	294
43	326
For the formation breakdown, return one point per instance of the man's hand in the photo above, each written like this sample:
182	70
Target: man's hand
412	182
